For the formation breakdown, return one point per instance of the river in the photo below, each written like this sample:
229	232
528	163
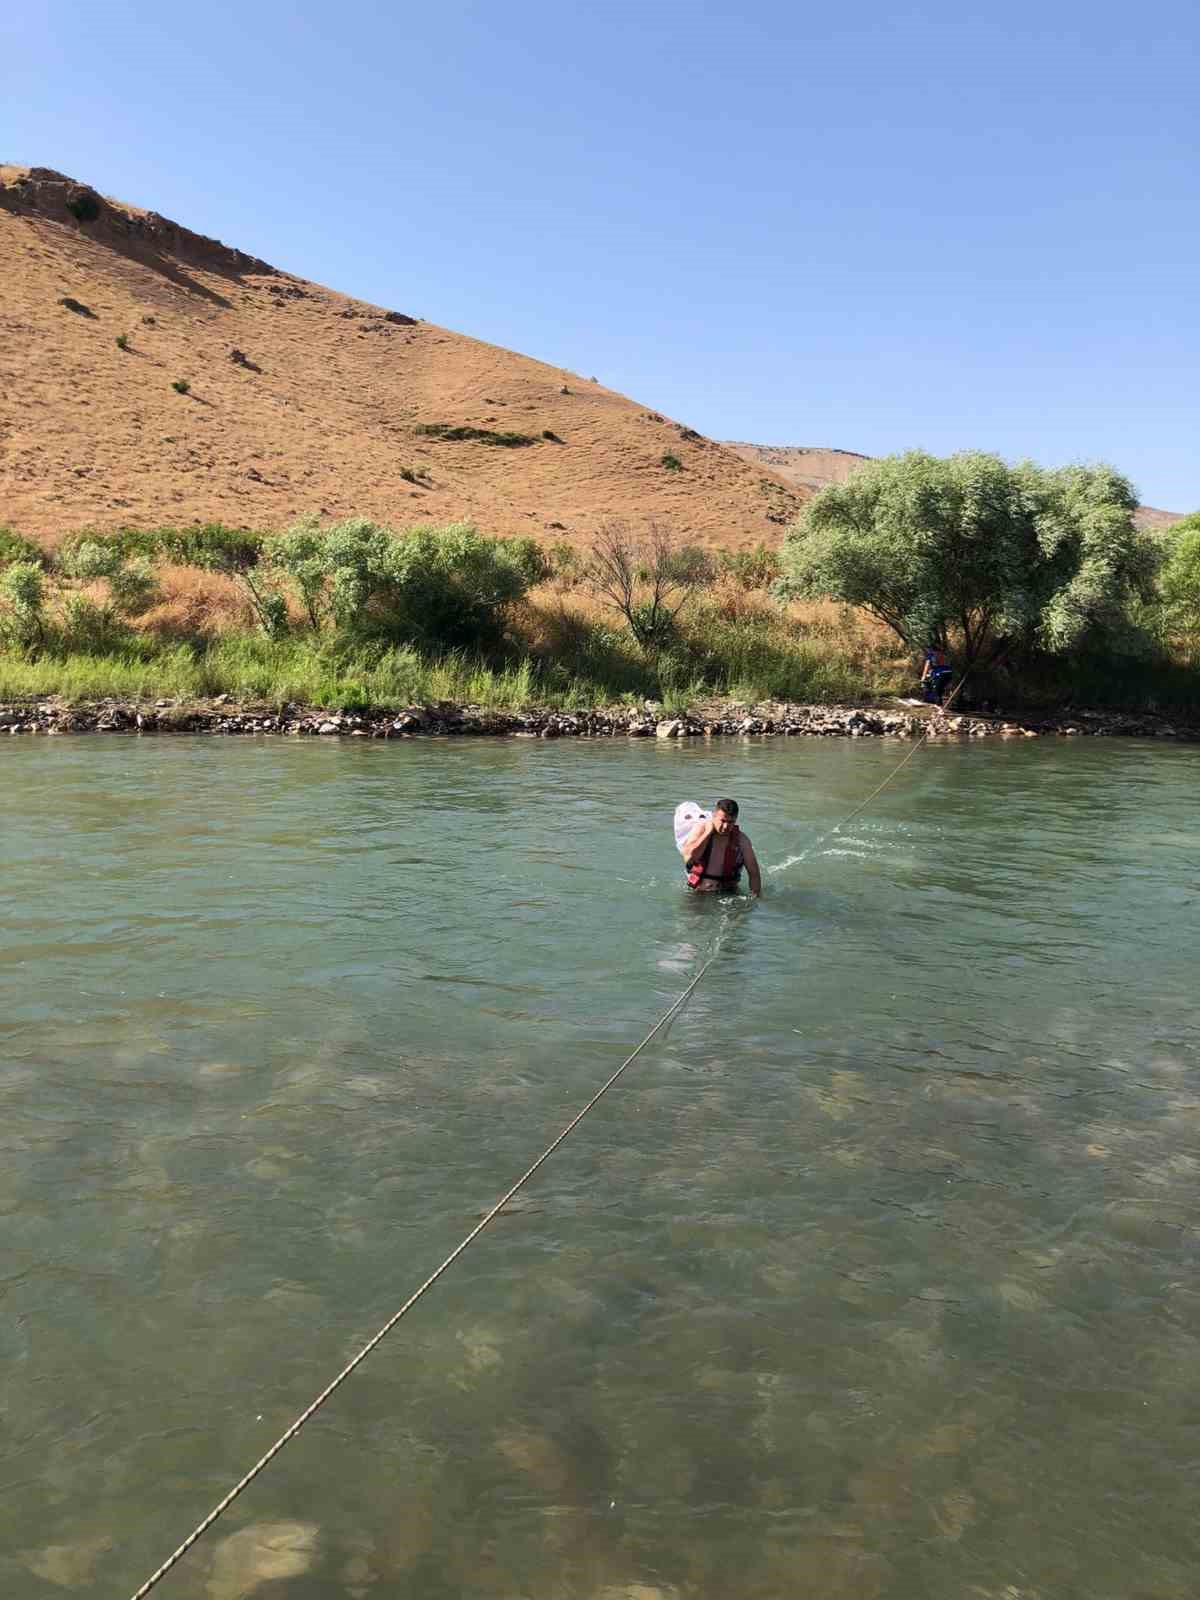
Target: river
874	1276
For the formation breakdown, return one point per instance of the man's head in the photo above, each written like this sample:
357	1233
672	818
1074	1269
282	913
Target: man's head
725	815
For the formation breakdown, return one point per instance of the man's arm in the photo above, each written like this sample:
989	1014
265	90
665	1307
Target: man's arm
696	840
752	868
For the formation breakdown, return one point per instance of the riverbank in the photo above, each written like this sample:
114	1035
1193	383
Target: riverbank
716	719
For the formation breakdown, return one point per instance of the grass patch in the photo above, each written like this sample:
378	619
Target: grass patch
250	668
454	434
14	548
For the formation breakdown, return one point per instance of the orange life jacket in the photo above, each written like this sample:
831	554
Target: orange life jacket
731	866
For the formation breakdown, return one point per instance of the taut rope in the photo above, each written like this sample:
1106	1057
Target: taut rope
672	1010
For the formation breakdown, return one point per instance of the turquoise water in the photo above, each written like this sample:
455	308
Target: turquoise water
874	1276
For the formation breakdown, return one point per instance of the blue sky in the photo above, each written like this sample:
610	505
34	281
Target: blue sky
871	226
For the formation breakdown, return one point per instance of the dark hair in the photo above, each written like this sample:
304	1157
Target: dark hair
729	807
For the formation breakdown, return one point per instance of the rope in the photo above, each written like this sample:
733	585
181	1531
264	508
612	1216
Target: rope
878	789
433	1277
676	1006
898	768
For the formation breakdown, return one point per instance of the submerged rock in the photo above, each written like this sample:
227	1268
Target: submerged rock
259	1554
68	1565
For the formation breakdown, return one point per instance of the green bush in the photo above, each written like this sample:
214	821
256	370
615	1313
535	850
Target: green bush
125	542
181	386
439	588
134	588
23	599
1179	577
89	628
752	569
14	548
211	545
672	462
84	207
444	430
132	585
566	565
91	559
122	341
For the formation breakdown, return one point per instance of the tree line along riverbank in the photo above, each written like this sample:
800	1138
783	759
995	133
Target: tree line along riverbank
1038	586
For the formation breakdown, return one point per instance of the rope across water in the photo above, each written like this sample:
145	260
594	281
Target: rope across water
673	1010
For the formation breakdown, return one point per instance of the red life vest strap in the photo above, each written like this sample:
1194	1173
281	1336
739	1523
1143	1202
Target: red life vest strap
731	866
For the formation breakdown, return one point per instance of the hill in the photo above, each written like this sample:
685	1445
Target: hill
810	469
302	399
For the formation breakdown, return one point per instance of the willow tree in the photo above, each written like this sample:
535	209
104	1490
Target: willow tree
971	553
1180	577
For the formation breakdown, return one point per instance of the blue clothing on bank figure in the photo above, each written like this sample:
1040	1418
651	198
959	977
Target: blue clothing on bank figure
935	675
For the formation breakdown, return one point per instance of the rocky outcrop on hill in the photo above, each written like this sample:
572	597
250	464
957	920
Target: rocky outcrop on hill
43	192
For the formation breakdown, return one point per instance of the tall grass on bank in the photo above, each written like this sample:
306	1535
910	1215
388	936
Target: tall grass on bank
253	670
562	661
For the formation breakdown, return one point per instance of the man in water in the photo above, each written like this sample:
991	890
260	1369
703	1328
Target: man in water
716	850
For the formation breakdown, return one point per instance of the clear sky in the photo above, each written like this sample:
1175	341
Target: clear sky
935	223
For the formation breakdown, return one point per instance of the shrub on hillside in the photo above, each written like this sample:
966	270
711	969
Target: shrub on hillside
91	559
210	545
672	462
444	430
751	569
14	548
438	588
124	542
22	605
566	565
90	627
84	207
132	585
647	578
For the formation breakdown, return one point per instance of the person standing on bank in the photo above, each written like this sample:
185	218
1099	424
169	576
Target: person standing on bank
715	852
935	675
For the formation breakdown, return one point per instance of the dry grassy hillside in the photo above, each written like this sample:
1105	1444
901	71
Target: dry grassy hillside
810	469
301	399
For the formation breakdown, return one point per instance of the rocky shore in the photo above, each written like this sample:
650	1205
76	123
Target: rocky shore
648	721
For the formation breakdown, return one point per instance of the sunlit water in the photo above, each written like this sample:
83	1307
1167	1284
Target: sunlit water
874	1276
